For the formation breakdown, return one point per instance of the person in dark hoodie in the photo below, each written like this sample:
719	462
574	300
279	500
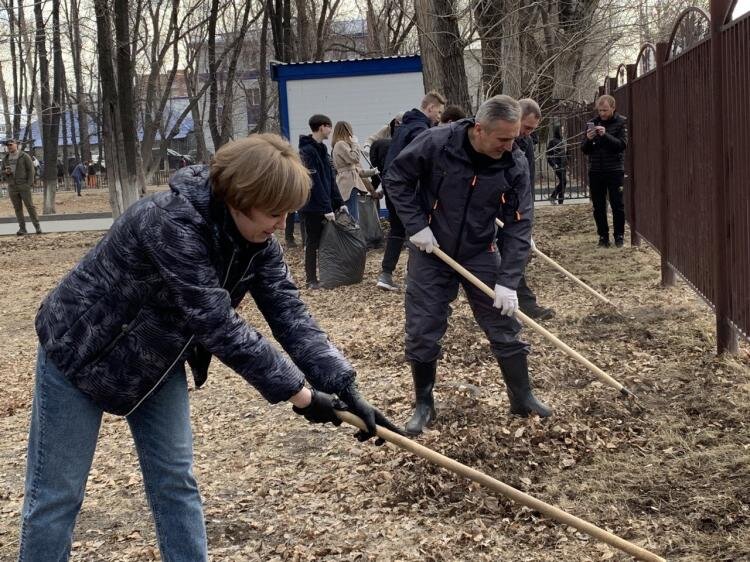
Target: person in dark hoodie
412	125
162	288
325	198
448	187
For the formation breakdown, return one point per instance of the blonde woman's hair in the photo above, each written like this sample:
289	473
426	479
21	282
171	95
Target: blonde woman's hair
262	172
342	131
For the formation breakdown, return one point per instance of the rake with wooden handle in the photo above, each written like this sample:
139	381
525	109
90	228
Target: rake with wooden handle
565	272
554	340
508	491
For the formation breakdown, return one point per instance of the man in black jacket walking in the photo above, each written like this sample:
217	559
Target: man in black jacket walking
605	144
412	125
468	174
325	197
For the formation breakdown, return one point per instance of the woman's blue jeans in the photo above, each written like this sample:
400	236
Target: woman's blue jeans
62	439
353	204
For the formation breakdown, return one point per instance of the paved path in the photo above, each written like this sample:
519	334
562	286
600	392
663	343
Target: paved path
59	225
102	221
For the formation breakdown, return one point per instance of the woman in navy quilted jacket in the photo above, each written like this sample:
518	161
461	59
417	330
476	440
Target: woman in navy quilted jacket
159	290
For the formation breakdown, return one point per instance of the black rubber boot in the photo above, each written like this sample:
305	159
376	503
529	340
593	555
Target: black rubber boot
424	412
515	371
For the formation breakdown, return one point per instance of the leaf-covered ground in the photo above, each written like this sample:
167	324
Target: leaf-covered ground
674	478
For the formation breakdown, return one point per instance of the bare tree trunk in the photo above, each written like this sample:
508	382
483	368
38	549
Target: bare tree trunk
71	119
74	30
305	38
221	129
260	127
119	198
201	150
50	107
442	51
17	64
6	104
126	101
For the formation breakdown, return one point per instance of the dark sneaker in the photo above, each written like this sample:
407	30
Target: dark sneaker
38	229
291	243
604	241
313	286
619	241
386	282
560	201
21	232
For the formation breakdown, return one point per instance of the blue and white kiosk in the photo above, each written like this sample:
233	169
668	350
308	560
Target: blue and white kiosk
365	92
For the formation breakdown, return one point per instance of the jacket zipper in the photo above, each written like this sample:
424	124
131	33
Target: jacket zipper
466	210
166	372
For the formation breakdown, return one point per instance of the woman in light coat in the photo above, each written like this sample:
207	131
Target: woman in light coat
349	172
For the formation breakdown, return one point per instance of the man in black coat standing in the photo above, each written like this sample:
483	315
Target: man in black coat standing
448	187
324	198
414	122
605	144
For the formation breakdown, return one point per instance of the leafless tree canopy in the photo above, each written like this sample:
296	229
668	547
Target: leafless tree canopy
132	83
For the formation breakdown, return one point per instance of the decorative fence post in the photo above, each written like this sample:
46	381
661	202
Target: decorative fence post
667	273
726	337
635	239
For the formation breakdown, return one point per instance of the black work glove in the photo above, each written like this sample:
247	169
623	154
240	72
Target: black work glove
321	409
358	406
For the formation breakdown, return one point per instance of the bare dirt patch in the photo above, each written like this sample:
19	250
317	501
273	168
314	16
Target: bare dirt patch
674	478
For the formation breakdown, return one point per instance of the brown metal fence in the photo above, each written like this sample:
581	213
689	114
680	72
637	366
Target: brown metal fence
160	177
644	151
736	57
691	200
688	161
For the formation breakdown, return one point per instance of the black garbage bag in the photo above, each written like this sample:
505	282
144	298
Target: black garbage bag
342	252
369	222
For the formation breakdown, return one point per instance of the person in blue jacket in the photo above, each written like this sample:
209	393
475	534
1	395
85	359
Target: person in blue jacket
159	290
325	198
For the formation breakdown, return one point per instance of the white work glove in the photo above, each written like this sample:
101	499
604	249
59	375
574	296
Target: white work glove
330	216
506	300
344	209
424	240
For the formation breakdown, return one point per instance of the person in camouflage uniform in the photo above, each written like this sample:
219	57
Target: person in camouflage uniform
18	169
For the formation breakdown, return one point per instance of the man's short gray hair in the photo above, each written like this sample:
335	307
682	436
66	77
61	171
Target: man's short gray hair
530	107
499	108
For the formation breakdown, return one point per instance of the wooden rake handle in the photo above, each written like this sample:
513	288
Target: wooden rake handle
508	491
549	336
565	272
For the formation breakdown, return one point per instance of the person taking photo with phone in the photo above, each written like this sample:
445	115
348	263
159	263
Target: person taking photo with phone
605	144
